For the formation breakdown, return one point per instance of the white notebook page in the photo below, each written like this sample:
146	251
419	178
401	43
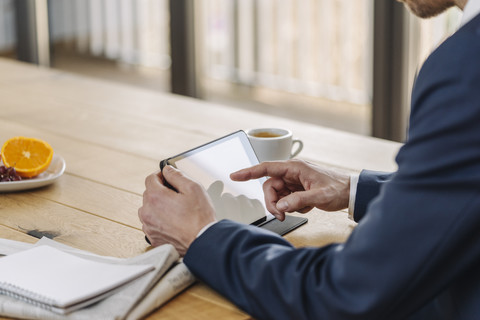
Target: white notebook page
49	273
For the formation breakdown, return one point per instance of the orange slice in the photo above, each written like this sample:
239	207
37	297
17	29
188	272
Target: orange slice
29	156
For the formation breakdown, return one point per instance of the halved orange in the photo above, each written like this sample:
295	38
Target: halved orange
29	156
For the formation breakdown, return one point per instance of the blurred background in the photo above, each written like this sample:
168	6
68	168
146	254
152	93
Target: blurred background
342	64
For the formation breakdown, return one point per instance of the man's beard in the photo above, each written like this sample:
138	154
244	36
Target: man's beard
428	8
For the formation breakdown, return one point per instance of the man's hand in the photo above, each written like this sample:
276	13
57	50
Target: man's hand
296	185
174	217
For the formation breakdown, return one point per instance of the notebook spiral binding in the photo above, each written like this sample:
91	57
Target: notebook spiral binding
27	296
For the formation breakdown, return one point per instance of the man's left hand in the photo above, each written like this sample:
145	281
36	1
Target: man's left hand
174	217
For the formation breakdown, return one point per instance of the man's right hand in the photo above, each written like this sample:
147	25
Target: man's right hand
297	185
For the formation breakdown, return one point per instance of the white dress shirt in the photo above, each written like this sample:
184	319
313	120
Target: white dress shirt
471	10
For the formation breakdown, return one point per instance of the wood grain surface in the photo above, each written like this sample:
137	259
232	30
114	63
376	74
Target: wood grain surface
112	136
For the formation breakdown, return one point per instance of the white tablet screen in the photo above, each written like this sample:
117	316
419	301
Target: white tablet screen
211	165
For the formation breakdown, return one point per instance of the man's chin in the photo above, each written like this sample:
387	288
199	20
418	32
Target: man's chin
427	8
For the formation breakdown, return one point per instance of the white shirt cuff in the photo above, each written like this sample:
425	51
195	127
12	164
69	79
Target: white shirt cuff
353	192
205	228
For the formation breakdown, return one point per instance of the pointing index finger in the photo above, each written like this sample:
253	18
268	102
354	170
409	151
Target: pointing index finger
264	169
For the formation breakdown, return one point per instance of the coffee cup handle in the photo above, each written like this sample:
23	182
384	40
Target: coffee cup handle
299	148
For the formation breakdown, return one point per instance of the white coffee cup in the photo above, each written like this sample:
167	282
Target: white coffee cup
272	144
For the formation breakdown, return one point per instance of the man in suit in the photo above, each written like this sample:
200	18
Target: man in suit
415	253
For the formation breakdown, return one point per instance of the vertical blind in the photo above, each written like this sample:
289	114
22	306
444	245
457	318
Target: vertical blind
134	32
7	26
315	47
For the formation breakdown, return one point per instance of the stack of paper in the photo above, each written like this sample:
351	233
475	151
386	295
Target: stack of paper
61	282
53	281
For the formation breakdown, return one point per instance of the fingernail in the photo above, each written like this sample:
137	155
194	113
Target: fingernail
282	205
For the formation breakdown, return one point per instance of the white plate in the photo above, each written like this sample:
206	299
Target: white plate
54	171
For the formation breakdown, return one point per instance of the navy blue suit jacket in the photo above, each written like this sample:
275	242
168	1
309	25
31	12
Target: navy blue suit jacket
415	252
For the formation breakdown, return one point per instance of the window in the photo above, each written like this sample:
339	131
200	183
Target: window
7	28
311	60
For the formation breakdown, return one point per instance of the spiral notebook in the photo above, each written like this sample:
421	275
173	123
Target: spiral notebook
61	282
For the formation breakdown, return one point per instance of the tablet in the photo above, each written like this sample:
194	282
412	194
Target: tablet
211	165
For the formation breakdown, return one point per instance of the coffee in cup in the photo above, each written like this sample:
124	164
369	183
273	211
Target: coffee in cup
272	144
265	134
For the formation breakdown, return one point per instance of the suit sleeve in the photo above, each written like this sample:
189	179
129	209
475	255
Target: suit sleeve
419	235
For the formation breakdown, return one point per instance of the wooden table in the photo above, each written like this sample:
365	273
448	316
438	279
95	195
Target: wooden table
112	136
